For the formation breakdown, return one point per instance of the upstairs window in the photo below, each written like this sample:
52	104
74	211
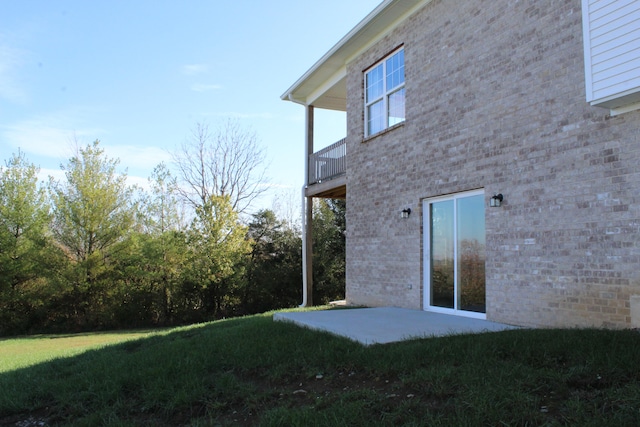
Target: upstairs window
384	93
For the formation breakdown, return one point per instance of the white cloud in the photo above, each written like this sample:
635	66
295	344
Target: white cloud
10	62
45	174
193	69
138	181
51	135
137	156
52	139
59	175
198	87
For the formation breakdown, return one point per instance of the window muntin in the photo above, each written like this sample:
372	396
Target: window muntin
375	83
385	94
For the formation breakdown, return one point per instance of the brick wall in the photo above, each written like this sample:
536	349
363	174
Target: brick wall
495	100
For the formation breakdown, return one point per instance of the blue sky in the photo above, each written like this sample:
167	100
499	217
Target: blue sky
139	74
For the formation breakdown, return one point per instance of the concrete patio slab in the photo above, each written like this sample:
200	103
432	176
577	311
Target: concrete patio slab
388	324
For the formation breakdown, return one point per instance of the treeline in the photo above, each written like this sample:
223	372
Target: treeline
91	252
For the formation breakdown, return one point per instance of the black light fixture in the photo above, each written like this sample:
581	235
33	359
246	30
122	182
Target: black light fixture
496	200
405	213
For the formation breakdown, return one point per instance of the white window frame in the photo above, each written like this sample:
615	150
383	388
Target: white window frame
385	94
426	263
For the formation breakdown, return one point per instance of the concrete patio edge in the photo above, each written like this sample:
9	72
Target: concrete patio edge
383	325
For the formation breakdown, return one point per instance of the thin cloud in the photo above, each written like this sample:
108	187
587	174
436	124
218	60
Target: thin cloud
58	175
204	87
138	181
140	157
49	135
194	69
11	60
53	139
44	174
237	115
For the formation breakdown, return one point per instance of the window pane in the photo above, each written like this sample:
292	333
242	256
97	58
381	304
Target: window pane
375	116
395	70
375	84
396	107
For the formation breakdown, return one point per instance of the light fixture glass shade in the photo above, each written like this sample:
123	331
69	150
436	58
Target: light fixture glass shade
496	200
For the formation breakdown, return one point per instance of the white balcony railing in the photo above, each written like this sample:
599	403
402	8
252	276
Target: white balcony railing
328	163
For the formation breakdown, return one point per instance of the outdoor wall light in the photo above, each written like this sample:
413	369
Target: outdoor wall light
405	213
496	200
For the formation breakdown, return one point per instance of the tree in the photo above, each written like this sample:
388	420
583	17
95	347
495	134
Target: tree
93	209
329	250
93	212
228	162
29	262
161	249
217	246
24	215
274	270
161	208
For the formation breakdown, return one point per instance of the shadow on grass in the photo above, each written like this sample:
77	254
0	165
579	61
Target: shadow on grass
252	370
126	332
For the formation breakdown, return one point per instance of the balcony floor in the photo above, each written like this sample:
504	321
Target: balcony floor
335	188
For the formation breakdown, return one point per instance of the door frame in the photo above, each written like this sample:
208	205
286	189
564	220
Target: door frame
426	260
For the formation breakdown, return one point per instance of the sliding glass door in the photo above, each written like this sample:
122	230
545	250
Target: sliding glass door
455	254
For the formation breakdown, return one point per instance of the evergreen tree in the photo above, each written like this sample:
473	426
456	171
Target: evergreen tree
274	268
93	212
28	260
24	215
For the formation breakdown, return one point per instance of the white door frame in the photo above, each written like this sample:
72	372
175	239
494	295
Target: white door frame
426	262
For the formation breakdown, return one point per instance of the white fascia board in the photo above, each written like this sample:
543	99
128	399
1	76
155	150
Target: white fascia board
333	51
362	36
388	28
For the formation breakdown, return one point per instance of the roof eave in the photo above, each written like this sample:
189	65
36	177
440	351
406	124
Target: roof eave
377	23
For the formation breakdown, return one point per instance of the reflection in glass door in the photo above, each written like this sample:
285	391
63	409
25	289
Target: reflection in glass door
442	254
455	254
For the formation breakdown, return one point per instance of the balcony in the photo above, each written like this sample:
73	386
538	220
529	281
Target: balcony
327	171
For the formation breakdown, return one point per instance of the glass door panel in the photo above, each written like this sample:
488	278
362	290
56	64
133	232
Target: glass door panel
442	255
471	253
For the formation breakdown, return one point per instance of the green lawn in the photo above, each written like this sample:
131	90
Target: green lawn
27	351
252	371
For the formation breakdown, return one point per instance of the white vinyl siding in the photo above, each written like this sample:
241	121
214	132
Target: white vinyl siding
612	52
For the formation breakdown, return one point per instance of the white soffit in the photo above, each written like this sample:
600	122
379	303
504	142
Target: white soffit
324	84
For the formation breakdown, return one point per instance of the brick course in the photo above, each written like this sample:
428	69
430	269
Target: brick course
495	100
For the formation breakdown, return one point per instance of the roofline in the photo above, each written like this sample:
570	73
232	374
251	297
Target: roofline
381	20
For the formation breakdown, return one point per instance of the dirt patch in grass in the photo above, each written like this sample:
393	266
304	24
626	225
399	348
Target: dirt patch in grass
321	392
39	418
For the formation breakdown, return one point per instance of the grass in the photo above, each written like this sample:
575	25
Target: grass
27	351
252	371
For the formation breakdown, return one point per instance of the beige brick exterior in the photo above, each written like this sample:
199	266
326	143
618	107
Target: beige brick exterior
495	100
